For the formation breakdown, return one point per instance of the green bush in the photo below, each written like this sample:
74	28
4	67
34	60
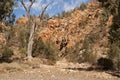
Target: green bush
72	54
6	52
88	54
23	52
114	55
114	33
113	7
50	51
22	35
78	54
10	35
45	50
6	9
114	39
104	16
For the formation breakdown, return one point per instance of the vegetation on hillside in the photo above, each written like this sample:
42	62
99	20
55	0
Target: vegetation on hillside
80	35
6	9
113	7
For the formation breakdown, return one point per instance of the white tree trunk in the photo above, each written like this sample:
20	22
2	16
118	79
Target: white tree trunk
30	42
32	30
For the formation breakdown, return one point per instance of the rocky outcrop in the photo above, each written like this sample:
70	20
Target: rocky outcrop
78	27
22	21
2	34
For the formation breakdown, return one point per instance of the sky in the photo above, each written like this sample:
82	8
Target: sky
56	6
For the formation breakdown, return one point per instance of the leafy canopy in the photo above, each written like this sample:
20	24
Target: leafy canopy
6	9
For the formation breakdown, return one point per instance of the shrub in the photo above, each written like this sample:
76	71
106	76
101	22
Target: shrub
23	52
114	39
50	51
88	54
114	55
78	54
105	63
22	35
6	52
38	48
72	54
6	10
10	35
45	50
104	16
114	33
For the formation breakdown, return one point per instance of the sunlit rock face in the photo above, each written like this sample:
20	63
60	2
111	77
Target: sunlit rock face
22	21
79	26
2	36
2	33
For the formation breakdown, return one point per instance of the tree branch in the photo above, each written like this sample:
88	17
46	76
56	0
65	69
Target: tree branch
27	8
43	11
32	1
22	1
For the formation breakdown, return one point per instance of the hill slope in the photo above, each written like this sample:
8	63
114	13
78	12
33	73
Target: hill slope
89	28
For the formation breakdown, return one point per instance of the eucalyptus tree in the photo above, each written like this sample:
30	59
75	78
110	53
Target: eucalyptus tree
33	24
6	9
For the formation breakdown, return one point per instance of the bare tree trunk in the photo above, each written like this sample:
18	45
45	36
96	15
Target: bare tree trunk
33	27
30	42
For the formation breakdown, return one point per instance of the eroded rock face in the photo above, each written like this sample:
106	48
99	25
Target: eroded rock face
2	39
79	26
2	34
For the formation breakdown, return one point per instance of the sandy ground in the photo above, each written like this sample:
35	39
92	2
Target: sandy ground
45	72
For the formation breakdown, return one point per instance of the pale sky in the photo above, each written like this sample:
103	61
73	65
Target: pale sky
56	6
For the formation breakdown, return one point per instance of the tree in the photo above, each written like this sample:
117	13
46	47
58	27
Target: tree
33	25
6	9
113	7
